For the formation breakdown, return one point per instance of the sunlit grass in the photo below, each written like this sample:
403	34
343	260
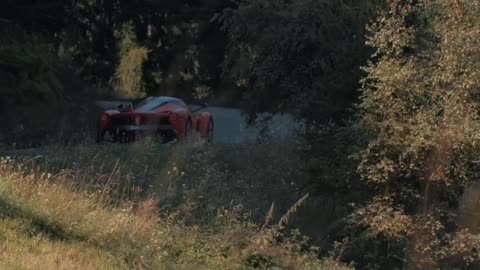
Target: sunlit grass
23	249
142	206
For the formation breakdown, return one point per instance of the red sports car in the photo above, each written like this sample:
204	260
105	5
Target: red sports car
166	118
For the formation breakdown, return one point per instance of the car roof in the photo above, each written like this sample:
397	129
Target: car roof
163	98
151	103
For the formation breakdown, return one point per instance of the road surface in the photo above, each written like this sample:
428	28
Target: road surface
230	126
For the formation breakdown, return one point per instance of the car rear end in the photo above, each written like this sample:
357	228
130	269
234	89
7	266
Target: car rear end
128	127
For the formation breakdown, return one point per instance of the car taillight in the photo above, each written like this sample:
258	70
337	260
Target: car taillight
138	120
104	117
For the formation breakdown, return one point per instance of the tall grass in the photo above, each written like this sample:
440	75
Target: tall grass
141	207
63	210
21	249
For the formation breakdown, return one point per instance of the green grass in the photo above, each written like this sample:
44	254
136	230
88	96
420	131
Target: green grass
23	249
149	207
205	177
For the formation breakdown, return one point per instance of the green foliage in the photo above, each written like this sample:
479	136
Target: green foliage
29	82
28	69
419	111
415	137
300	57
127	39
25	248
193	180
83	33
69	205
128	82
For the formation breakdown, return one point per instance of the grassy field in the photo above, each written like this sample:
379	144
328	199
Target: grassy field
147	206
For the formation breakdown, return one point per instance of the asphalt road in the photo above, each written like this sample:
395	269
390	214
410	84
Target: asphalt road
230	127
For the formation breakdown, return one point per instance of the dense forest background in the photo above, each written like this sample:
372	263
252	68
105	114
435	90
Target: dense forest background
264	56
388	92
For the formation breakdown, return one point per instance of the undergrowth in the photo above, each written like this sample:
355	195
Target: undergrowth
149	207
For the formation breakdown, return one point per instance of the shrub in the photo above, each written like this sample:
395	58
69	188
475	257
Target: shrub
419	112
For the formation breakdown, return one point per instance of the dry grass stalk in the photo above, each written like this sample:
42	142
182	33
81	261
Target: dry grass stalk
268	217
285	218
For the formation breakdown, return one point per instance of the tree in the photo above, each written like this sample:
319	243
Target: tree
301	57
419	110
128	81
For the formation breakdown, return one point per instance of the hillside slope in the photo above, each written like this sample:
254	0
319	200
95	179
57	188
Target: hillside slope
80	211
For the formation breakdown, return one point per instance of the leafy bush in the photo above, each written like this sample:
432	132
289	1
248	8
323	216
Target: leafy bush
300	57
419	112
28	69
42	101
